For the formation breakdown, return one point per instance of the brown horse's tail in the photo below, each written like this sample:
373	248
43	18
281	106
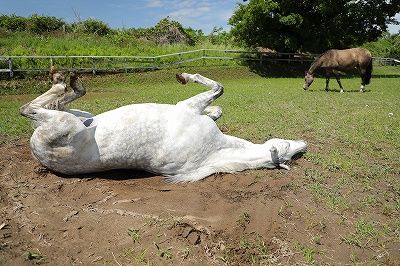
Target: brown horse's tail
368	73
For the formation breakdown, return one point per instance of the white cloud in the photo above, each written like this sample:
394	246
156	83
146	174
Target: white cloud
155	3
204	14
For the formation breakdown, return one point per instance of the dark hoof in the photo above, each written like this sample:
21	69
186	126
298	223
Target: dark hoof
180	78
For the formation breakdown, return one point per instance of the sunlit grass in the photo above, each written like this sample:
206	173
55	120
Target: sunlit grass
353	138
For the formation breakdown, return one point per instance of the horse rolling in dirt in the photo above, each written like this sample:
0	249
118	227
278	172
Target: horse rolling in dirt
178	141
333	61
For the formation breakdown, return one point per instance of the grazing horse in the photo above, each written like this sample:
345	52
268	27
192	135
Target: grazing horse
180	142
333	61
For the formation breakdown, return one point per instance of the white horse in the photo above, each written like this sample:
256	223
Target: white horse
179	141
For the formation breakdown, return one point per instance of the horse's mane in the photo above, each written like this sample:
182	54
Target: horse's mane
317	59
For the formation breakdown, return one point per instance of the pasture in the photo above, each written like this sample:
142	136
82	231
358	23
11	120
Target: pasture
338	205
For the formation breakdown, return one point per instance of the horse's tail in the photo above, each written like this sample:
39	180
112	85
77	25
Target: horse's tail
368	73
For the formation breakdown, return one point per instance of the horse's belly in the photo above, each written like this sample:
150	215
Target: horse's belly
157	138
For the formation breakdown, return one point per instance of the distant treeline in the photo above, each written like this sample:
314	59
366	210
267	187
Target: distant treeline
165	32
49	30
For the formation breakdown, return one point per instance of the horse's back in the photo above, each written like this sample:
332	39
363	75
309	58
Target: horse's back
347	58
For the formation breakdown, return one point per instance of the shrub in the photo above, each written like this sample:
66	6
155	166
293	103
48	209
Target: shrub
43	24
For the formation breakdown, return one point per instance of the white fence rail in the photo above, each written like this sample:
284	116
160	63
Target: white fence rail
94	64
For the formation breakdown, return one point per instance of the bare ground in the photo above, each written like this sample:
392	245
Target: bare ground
132	218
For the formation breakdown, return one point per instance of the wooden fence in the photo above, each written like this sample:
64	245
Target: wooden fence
94	64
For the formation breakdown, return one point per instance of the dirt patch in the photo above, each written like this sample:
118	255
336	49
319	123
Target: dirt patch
132	217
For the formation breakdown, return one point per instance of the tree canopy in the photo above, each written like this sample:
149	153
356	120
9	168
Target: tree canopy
314	26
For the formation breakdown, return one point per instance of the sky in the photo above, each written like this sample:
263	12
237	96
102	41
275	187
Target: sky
118	14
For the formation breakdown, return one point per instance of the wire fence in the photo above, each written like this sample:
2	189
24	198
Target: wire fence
201	57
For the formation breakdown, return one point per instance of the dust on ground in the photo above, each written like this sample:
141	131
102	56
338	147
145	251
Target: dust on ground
128	217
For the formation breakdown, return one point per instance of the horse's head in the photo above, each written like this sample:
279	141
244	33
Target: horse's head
308	79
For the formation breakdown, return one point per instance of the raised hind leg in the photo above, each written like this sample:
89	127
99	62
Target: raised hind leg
200	102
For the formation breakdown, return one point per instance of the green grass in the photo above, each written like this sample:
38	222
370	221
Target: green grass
353	154
354	133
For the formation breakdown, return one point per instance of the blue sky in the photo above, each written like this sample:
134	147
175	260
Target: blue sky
197	14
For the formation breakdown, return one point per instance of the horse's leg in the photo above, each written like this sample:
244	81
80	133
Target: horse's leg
50	96
77	92
200	102
363	75
327	76
60	140
338	80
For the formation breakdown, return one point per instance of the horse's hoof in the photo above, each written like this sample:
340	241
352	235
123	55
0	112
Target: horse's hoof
180	78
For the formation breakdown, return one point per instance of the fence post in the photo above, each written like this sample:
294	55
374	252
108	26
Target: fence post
51	61
204	59
10	67
179	60
261	58
93	69
224	57
153	64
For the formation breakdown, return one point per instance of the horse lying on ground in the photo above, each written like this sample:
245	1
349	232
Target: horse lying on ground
178	141
333	61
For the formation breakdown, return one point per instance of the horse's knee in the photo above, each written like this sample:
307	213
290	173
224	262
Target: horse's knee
218	88
214	112
26	110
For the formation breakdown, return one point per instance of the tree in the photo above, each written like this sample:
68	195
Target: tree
386	46
43	24
219	36
96	27
13	22
315	26
169	32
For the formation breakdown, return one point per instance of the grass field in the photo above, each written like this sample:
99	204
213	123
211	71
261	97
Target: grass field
354	149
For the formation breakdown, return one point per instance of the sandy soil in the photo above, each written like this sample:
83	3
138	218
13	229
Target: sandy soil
132	217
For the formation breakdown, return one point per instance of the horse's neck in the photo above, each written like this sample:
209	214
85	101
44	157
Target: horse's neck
314	66
323	61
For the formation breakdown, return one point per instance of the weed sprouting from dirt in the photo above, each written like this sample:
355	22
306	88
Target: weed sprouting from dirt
34	256
134	234
308	251
365	235
19	185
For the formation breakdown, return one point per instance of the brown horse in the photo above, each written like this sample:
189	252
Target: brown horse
333	61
